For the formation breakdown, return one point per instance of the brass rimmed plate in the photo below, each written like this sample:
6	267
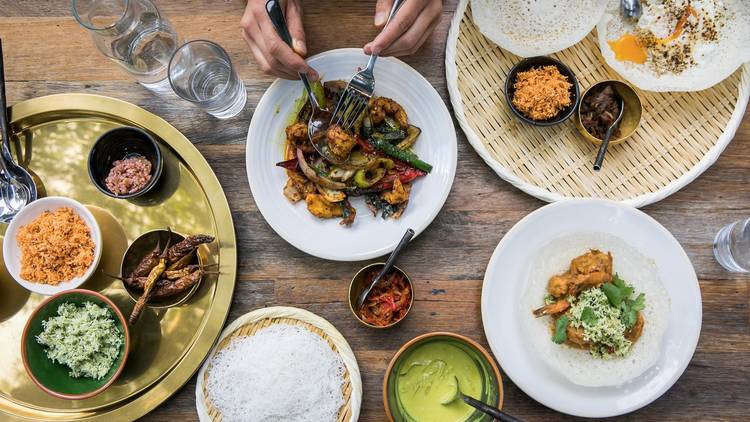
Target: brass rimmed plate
53	135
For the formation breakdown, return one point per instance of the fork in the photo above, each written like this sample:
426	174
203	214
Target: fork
319	114
353	101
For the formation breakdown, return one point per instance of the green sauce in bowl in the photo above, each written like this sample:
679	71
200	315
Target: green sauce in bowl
421	380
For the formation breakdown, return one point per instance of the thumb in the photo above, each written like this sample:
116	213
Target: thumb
382	8
293	15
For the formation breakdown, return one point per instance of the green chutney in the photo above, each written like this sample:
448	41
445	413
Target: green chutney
427	377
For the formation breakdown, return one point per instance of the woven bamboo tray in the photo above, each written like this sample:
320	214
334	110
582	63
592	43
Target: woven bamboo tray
680	136
250	323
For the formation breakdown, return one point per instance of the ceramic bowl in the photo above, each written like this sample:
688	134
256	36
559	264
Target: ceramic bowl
492	385
117	144
539	61
631	117
12	253
357	285
54	378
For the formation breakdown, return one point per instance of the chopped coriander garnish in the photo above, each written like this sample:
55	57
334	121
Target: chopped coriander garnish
630	310
588	317
618	292
561	327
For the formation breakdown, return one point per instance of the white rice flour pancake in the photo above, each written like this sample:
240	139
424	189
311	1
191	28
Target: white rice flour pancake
536	27
578	365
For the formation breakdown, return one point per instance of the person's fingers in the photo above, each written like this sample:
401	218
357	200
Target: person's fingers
398	25
276	50
382	8
294	21
264	64
408	47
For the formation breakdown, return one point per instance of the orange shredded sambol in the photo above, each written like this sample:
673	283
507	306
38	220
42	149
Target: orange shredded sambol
541	92
55	247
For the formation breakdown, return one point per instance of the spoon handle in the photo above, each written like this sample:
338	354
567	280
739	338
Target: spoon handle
391	259
273	8
485	408
4	124
603	148
387	267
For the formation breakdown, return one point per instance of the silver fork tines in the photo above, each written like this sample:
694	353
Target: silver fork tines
353	101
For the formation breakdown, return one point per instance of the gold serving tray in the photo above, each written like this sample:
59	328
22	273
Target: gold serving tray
52	137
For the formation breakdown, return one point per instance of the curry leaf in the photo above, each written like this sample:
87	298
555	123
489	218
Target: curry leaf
561	327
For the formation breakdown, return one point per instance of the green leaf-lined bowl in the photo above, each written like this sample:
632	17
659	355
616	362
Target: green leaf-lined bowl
52	377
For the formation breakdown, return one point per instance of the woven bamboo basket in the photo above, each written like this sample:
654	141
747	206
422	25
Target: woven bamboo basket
250	323
680	136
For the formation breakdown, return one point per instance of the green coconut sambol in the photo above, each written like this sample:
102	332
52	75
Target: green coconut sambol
84	338
592	308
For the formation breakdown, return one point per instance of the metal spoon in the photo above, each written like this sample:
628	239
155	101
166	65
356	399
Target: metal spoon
608	135
320	116
18	188
631	9
386	268
480	406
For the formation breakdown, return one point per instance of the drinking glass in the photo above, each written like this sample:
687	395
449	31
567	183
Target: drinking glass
200	71
732	246
132	33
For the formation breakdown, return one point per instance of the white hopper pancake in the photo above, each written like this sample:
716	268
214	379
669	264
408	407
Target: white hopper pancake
577	365
714	42
536	27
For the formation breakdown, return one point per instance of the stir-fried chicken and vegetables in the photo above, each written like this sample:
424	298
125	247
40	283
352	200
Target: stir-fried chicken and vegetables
593	309
374	160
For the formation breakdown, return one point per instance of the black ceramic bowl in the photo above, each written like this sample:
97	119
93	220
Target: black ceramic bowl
119	143
539	61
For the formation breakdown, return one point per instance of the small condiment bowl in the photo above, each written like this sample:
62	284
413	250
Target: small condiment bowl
141	246
120	143
631	116
492	385
52	377
12	252
540	61
357	285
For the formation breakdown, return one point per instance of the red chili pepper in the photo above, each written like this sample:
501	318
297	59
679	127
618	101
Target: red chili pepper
367	148
391	303
289	164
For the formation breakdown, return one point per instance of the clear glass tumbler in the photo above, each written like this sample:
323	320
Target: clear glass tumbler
732	246
132	33
201	72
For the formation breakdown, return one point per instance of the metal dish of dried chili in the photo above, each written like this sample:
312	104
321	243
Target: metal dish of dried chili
389	300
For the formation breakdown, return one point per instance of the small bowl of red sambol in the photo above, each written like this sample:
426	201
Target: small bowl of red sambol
125	162
389	301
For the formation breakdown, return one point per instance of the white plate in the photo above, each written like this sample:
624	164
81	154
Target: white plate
12	254
369	236
503	284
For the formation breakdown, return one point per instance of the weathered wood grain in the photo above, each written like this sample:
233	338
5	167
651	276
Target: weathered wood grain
47	53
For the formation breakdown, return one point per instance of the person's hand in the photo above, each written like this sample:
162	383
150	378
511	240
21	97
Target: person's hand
270	51
409	28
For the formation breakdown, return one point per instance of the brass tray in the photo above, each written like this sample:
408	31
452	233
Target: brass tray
52	137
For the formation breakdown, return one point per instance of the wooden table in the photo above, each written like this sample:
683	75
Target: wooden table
48	53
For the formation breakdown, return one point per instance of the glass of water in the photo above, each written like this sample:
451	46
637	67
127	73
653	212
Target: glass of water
132	33
732	246
200	71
